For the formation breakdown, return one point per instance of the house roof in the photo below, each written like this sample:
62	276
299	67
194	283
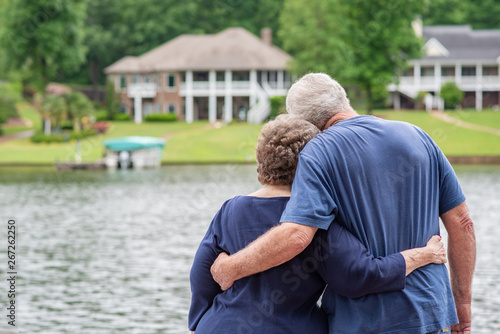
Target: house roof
233	49
461	43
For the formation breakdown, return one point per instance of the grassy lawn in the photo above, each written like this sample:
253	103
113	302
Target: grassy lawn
203	142
26	111
486	117
199	141
453	140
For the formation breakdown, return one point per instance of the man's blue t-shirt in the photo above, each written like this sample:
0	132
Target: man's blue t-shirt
387	182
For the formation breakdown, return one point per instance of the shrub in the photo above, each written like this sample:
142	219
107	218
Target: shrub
66	125
170	117
101	115
9	95
40	137
122	117
112	100
451	94
277	106
101	127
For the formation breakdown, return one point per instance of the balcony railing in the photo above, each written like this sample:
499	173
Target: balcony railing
142	90
464	80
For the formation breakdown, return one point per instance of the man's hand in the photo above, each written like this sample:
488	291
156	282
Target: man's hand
464	312
220	275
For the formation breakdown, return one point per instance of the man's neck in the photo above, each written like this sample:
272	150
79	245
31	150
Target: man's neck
340	117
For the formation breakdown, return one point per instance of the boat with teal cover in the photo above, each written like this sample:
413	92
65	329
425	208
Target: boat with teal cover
133	143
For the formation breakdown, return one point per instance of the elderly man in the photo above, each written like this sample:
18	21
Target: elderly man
388	183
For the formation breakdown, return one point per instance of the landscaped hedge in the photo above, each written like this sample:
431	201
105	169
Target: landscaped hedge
170	117
40	137
121	117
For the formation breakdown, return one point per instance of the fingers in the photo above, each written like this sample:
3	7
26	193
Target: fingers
218	273
436	245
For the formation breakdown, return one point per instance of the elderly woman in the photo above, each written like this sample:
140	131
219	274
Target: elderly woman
284	299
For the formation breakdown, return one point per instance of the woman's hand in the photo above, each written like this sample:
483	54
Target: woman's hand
436	249
433	252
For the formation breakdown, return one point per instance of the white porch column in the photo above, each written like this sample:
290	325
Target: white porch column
228	98
189	97
479	88
263	76
253	88
280	79
458	74
397	101
138	109
416	76
437	77
212	98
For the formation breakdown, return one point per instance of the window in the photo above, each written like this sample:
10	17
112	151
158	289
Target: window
148	79
241	76
220	76
427	71
468	71
490	70
171	81
448	71
123	81
200	76
171	107
136	79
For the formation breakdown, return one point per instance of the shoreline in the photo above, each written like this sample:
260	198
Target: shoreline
458	160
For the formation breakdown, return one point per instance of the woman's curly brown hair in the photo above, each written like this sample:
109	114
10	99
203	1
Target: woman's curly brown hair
278	148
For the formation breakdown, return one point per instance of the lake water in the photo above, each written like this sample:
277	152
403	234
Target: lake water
110	252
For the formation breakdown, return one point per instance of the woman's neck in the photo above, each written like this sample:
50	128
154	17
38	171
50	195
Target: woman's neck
273	191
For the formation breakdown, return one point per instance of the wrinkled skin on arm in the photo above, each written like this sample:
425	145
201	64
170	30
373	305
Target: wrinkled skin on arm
462	260
278	245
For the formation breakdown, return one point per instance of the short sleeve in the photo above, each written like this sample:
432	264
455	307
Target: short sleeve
450	192
203	287
311	202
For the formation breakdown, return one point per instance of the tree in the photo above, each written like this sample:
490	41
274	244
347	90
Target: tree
357	42
451	94
481	14
43	38
78	106
112	100
54	110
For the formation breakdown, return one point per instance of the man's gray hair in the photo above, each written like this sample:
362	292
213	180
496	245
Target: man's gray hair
316	97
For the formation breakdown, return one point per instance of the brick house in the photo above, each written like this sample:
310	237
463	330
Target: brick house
470	58
224	76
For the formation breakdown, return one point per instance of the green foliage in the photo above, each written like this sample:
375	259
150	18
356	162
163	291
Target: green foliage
112	100
78	106
278	106
9	96
101	115
114	29
43	37
122	117
54	108
357	42
481	14
451	94
170	117
40	137
419	100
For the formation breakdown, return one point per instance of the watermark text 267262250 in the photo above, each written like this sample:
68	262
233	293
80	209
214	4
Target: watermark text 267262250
11	272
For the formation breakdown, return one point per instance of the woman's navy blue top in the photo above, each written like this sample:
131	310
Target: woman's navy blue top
282	299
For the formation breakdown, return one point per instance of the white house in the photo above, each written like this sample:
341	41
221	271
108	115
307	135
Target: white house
470	58
224	76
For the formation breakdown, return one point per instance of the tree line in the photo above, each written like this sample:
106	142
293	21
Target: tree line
359	42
